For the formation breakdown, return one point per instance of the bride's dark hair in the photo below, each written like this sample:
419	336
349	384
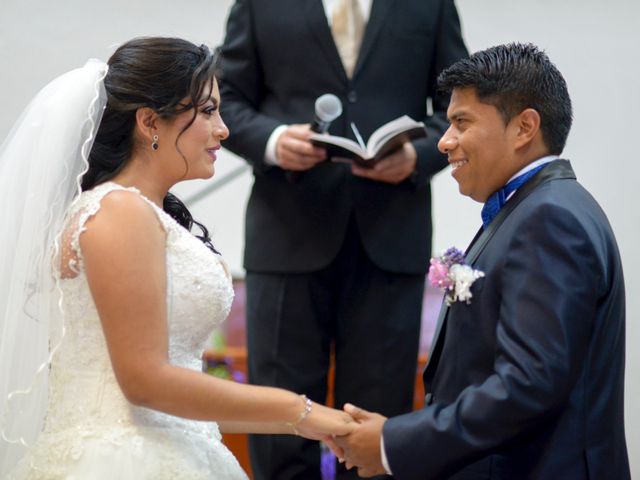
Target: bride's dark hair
157	73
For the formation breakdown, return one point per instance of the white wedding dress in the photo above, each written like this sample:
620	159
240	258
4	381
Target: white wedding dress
91	430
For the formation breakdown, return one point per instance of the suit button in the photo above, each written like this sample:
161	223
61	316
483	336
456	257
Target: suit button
428	399
352	96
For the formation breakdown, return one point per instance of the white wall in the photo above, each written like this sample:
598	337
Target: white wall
594	43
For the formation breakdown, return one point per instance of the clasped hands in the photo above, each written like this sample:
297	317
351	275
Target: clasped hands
295	152
353	436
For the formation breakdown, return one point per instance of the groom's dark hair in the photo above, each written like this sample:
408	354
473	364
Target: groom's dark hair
512	78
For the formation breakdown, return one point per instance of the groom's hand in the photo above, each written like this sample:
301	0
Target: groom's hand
362	446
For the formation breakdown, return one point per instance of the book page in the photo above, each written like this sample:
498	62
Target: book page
388	130
323	140
386	139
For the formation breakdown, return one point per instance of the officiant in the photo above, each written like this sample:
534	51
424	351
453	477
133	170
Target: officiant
335	254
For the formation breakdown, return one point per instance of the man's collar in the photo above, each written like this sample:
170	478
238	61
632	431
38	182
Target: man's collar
534	164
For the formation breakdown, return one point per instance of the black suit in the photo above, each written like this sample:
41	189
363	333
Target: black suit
331	257
526	381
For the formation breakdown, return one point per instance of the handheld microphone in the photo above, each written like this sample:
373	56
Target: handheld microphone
328	107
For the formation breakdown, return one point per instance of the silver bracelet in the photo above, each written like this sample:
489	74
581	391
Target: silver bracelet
303	414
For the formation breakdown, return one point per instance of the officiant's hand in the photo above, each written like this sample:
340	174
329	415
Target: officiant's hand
322	423
394	168
295	152
361	448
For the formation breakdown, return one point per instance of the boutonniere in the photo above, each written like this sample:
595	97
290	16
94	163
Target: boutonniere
450	272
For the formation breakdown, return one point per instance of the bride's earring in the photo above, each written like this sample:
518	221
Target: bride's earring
154	144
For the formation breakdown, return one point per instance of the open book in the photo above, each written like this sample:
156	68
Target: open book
383	141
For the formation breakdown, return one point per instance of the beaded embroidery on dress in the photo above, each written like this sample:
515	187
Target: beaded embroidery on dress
91	430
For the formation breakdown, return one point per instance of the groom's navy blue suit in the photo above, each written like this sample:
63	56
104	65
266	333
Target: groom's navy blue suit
526	381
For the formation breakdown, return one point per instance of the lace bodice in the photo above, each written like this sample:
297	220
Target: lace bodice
84	395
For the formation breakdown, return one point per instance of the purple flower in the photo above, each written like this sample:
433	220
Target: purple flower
453	256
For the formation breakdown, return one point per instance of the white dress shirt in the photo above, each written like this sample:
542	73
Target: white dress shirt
365	7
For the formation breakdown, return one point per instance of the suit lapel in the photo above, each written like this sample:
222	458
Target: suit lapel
316	19
556	170
444	309
377	17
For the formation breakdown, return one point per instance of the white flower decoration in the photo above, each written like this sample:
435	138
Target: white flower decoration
463	277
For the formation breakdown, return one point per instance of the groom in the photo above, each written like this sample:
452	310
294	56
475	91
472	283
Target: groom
525	380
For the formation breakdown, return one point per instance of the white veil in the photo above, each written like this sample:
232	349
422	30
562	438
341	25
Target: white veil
41	163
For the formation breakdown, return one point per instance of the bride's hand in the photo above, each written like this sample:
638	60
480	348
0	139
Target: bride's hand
321	423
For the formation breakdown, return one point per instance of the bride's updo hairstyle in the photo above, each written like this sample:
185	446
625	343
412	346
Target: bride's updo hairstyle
157	73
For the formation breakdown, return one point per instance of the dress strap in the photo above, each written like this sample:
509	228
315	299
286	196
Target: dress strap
83	208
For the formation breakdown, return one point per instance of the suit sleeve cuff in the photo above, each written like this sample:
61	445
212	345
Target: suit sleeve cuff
270	157
383	457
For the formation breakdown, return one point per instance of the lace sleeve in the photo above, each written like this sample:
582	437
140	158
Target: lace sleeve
70	259
70	253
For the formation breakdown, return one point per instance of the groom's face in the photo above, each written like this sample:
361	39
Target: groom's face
479	145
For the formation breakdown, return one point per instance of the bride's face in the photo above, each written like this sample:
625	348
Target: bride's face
199	145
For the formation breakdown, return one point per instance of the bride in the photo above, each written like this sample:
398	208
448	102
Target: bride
106	298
